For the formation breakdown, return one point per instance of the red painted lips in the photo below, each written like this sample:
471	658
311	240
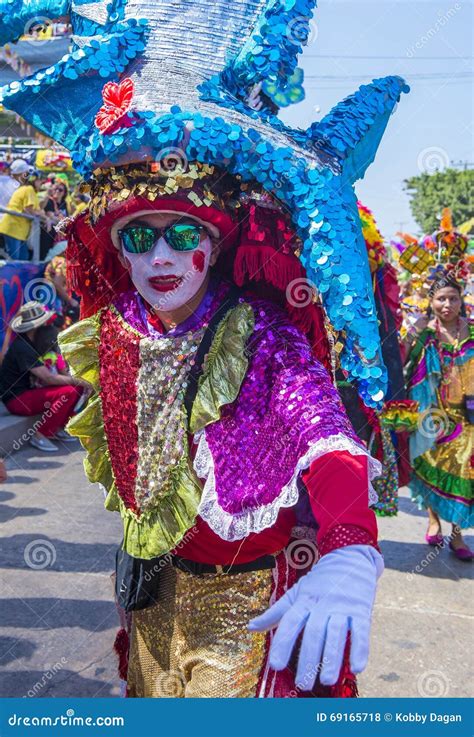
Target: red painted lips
165	283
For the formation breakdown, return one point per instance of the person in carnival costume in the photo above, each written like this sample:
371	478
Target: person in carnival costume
215	426
385	432
440	373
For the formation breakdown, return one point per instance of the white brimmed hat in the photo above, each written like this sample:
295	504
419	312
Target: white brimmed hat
19	166
31	315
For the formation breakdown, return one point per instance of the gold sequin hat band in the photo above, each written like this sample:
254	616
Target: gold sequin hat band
202	185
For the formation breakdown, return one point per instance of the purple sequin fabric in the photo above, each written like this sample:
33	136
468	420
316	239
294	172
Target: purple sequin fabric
287	414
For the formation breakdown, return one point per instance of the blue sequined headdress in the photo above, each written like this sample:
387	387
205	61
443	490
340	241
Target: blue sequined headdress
192	64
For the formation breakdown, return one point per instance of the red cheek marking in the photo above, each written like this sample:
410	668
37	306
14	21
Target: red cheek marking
199	259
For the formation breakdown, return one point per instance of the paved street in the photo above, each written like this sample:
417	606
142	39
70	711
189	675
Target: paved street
59	622
423	625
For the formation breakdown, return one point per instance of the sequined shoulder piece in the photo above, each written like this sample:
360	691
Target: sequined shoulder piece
80	345
224	368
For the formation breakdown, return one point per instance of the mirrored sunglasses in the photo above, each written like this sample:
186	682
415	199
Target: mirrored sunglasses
179	237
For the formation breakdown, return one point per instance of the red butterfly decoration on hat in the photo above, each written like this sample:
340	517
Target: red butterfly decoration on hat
117	102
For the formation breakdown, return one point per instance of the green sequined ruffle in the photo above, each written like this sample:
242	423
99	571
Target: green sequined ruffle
80	345
438	478
224	368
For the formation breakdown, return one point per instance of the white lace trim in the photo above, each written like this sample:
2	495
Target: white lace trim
237	526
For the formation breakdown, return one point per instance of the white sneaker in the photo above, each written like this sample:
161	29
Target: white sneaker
43	444
64	437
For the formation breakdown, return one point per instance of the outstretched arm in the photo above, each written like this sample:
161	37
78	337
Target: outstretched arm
336	597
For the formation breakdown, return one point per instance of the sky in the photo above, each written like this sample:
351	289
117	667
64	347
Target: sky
429	44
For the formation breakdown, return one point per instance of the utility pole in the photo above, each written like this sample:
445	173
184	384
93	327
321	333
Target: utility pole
464	165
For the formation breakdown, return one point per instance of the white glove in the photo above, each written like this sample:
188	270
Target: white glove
335	597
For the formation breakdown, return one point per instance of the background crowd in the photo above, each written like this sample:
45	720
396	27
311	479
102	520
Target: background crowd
29	192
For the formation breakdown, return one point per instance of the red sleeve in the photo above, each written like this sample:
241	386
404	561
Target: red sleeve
60	363
338	490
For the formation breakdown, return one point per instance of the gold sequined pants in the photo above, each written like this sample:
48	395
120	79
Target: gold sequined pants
194	642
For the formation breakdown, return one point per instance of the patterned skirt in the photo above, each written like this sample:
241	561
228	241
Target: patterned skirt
443	477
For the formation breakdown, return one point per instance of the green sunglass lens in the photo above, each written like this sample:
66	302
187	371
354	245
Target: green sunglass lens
139	239
183	237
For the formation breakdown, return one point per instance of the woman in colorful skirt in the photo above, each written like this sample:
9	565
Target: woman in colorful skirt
441	379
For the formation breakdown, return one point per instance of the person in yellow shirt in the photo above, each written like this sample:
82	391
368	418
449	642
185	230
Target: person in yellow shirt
81	203
15	229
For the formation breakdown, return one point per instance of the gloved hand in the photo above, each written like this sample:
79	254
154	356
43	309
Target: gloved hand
335	597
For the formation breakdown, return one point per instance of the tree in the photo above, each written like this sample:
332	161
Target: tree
429	193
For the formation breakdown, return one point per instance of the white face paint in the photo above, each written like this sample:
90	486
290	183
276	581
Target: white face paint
165	278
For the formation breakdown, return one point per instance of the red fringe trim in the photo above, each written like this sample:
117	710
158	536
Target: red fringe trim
119	359
264	263
392	294
94	272
121	647
310	320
